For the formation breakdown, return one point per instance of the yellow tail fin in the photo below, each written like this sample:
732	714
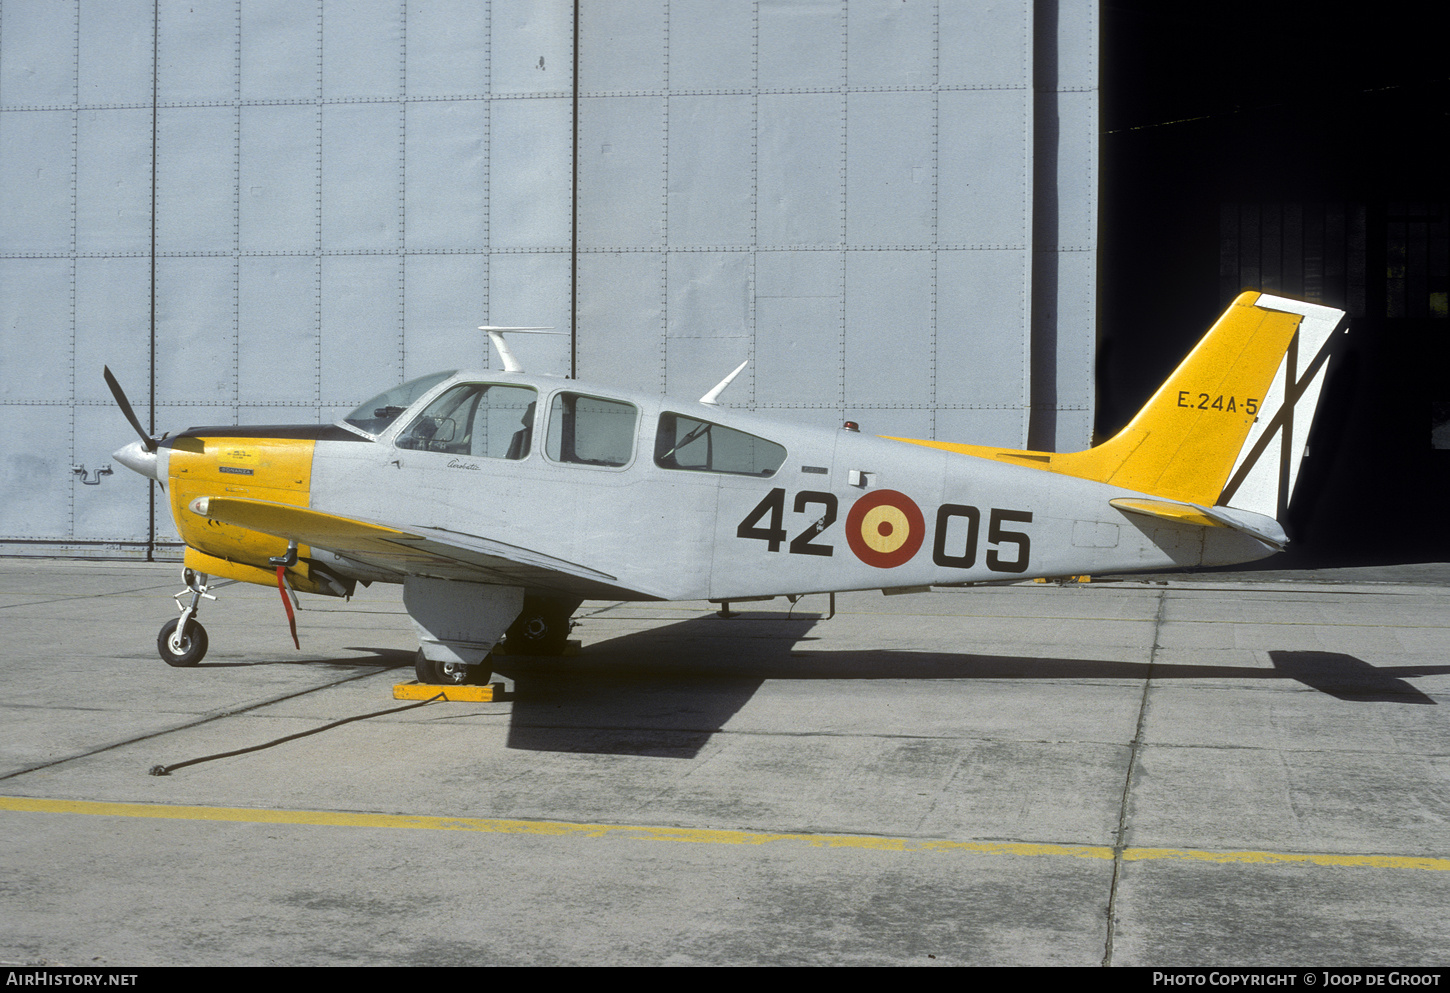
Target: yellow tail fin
1185	442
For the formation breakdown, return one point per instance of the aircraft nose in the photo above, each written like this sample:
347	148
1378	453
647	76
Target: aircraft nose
136	458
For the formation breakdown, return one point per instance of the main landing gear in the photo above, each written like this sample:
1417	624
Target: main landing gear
448	673
182	641
541	628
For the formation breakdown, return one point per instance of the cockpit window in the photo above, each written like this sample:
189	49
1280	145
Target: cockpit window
700	446
481	420
383	409
586	430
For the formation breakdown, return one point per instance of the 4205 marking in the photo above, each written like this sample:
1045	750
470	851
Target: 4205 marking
886	528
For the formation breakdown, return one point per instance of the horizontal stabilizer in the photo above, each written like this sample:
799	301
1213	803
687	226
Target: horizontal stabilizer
1257	526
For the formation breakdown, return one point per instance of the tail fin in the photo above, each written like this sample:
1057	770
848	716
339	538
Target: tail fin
1206	437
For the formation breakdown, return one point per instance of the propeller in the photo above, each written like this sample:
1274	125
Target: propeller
139	456
148	442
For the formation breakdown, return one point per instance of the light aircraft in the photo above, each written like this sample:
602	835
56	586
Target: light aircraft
500	500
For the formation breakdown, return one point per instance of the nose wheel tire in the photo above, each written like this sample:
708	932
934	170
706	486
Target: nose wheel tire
182	652
447	673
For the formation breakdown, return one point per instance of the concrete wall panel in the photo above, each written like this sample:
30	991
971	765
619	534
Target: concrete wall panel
196	335
446	190
113	181
443	294
197	190
277	332
112	325
529	163
361	327
115	38
38	54
277	206
890	354
710	148
799	195
362	174
199	48
35	332
36	174
362	46
890	170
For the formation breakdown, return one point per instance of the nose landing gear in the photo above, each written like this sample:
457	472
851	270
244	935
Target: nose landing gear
182	641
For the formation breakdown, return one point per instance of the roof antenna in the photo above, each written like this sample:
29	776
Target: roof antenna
510	361
713	397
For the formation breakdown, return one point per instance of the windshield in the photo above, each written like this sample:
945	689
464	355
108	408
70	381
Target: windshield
383	409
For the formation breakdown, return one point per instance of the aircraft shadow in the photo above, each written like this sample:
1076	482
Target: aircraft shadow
661	692
1348	678
383	658
664	692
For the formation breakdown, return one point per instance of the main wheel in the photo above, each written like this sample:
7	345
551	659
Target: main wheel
447	673
542	628
182	653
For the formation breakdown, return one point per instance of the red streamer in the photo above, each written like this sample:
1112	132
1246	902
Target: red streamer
287	605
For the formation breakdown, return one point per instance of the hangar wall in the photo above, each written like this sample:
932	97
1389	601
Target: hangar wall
264	211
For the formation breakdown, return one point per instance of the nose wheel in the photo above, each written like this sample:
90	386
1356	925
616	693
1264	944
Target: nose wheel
181	648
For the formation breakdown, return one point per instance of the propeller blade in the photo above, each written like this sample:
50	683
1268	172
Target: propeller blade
125	406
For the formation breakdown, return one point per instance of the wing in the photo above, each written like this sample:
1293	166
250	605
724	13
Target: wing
420	551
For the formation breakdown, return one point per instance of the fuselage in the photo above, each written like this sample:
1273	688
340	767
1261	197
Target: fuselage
670	499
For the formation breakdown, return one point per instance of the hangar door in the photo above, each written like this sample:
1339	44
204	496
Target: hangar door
265	211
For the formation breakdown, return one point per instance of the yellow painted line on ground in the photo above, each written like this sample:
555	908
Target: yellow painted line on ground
1279	858
327	818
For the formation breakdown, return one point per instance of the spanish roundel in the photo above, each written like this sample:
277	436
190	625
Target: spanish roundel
885	528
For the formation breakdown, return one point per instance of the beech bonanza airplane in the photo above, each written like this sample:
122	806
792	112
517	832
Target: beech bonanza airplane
501	500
